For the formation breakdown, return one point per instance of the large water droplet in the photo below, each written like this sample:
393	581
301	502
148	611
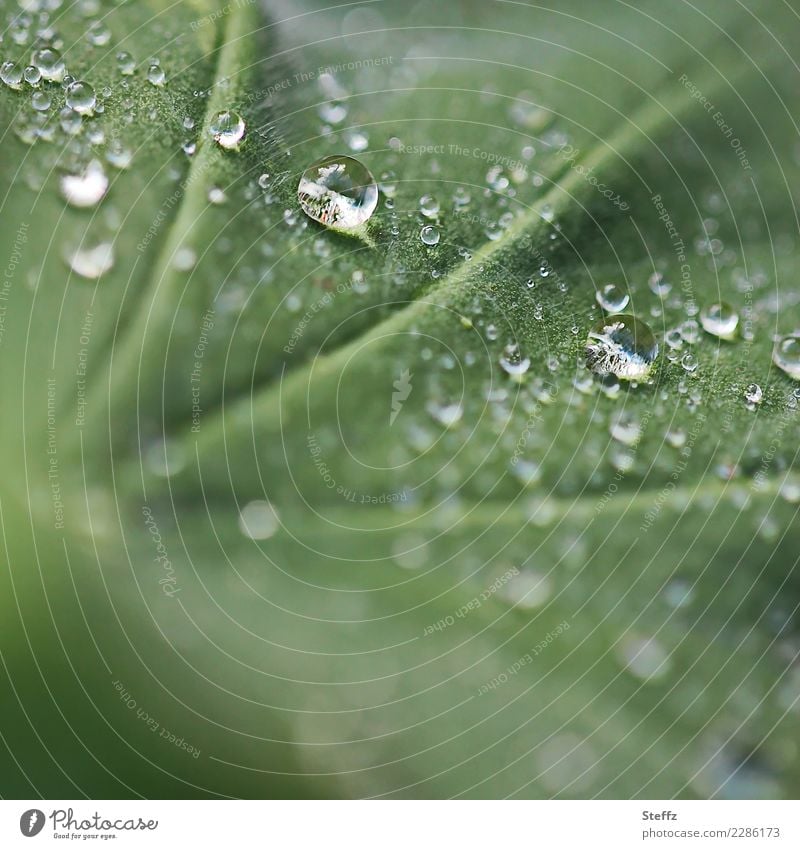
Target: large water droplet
81	97
429	235
621	345
11	75
786	355
228	129
93	262
338	191
50	64
258	520
720	320
86	189
612	298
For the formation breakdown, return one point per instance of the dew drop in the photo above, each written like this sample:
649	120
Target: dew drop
33	76
339	192
720	320
513	363
786	355
92	263
689	363
126	63
643	657
11	75
621	345
41	101
156	76
753	394
429	235
228	129
81	97
659	285
528	590
86	189
612	298
429	206
49	63
258	520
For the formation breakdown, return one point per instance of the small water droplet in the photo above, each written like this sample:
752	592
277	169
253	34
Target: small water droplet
185	259
689	363
338	191
429	235
98	34
720	320
41	101
258	520
429	206
753	394
126	63
446	414
33	76
621	345
659	285
644	657
625	428
528	590
228	129
156	76
786	355
513	363
86	189
612	298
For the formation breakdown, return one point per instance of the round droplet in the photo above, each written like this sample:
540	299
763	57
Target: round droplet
86	189
612	298
689	363
786	355
33	76
156	76
720	320
258	520
643	657
339	192
754	394
429	206
528	590
513	363
126	63
80	97
93	262
429	235
621	345
98	34
50	64
70	121
11	75
659	285
228	129
41	101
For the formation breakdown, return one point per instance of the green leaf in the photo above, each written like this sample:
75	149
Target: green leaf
461	583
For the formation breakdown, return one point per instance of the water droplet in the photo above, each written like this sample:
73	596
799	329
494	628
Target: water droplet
258	520
357	142
621	345
11	75
445	414
81	97
126	63
98	34
41	101
156	76
528	590
119	156
165	458
338	191
720	320
625	428
228	129
33	76
93	262
216	196
429	235
676	437
786	355
690	331
429	206
754	394
70	121
612	298
689	363
185	259
86	189
50	64
659	285
678	593
643	657
512	362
